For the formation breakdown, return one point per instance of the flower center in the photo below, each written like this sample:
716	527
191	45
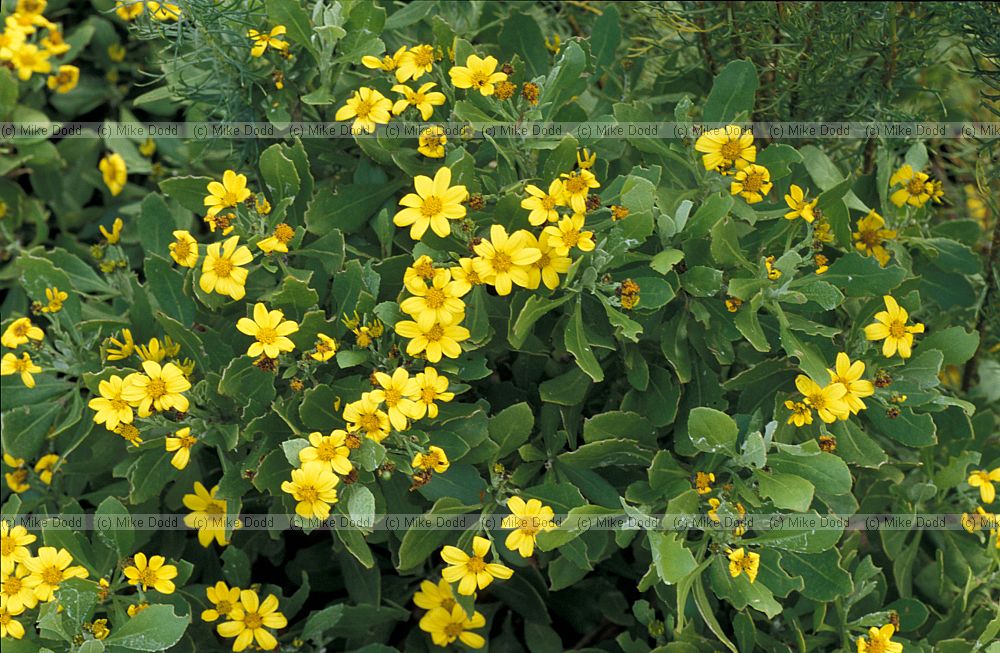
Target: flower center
52	575
423	58
870	238
548	202
309	493
326	451
431	206
21	329
571	238
475	564
435	334
435	298
223	607
732	150
428	395
156	388
119	404
753	182
479	79
502	262
897	329
424	270
448	604
253	621
266	335
182	249
12	585
392	397
147	577
223	267
431	460
432	140
363	109
215	508
453	630
877	645
7	546
284	233
915	186
575	185
369	423
817	401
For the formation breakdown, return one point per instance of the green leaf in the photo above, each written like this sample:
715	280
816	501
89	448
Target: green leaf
156	628
619	424
862	276
576	342
786	491
567	389
702	281
24	428
167	286
189	192
827	472
957	344
279	173
419	543
712	431
156	225
251	387
824	579
616	451
712	210
511	427
349	209
909	428
320	621
291	14
114	527
534	309
672	560
732	94
521	36
748	325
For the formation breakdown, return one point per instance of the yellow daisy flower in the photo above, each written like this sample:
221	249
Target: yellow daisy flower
181	443
65	79
725	148
54	300
871	235
434	203
230	193
264	40
465	275
19	332
330	450
45	467
365	415
503	260
914	189
111	408
368	107
527	518
799	205
398	392
278	240
208	515
878	641
49	568
431	142
249	621
414	63
472	571
576	186
447	625
423	99
114	172
890	326
222	270
28	59
983	480
743	562
541	204
801	413
435	460
15	594
703	482
122	349
184	250
416	275
326	348
152	572
848	374
568	234
751	182
128	10
477	73
437	302
9	626
160	388
11	364
388	63
548	267
271	330
434	595
432	387
828	401
14	541
224	600
313	485
437	340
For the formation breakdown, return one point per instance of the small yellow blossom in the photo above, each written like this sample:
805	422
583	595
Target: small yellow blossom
828	401
264	40
55	299
435	460
871	235
208	515
984	480
914	189
800	207
423	99
527	519
801	413
114	172
703	482
278	240
364	415
742	562
249	621
180	443
431	142
727	147
447	625
329	450
224	600
879	641
271	330
752	183
890	326
122	349
151	572
478	73
368	107
19	332
434	203
65	79
414	63
49	568
222	270
184	250
11	364
230	193
326	348
313	486
472	571
543	206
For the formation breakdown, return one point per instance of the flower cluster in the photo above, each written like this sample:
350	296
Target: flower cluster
30	42
18	333
246	619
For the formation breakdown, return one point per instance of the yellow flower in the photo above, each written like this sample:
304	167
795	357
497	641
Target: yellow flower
433	595
271	330
130	433
752	183
230	193
447	625
156	352
773	273
54	43
431	142
262	205
569	234
278	240
542	205
800	207
111	408
437	302
503	260
45	467
159	388
115	173
224	600
914	187
421	99
128	9
878	641
116	52
19	332
387	63
548	267
326	348
364	415
9	626
472	571
890	326
703	482
828	401
585	160
726	148
465	275
801	413
848	374
50	568
263	40
398	392
122	350
870	236
313	486
733	304
55	299
984	481
741	562
151	573
14	541
250	620
148	148
527	519
164	11
28	59
181	443
184	250
136	608
15	594
11	364
576	185
368	107
433	342
821	264
431	387
435	460
477	73
112	237
330	450
65	79
414	63
222	270
434	203
416	276
208	514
